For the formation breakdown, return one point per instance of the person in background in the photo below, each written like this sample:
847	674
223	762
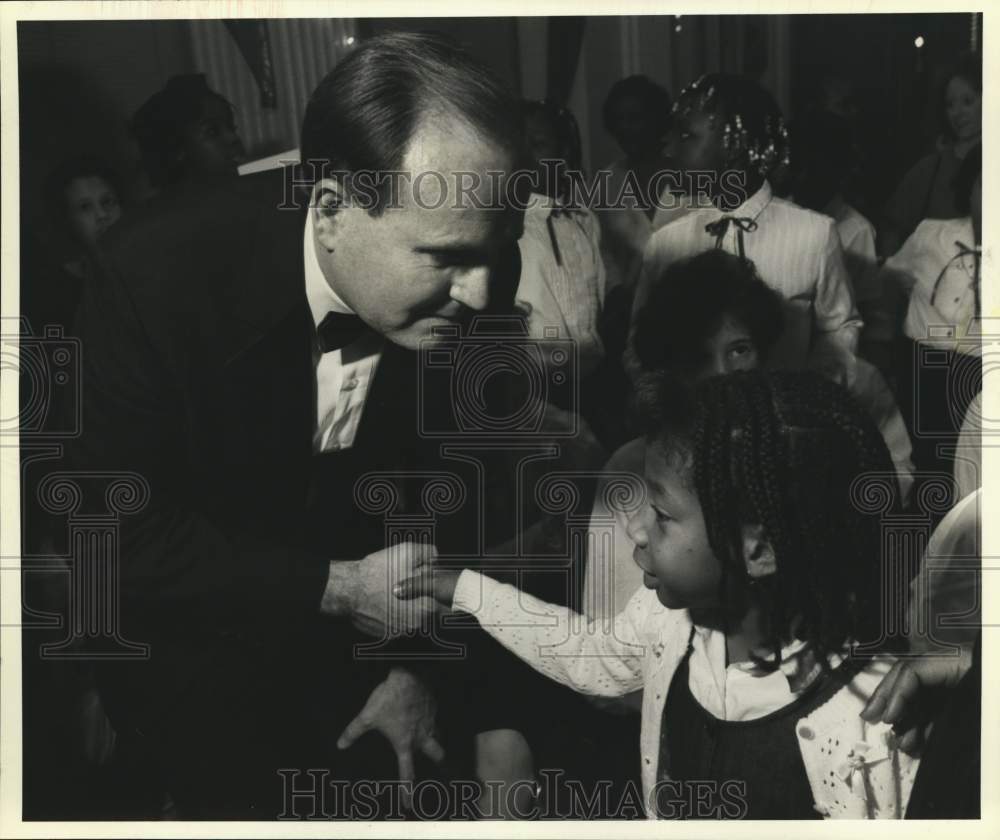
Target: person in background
82	200
187	132
84	197
936	274
926	190
637	114
727	136
822	167
562	283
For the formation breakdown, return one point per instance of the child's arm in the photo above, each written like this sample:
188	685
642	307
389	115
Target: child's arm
557	642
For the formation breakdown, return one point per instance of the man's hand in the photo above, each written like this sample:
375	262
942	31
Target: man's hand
431	581
402	709
362	589
911	692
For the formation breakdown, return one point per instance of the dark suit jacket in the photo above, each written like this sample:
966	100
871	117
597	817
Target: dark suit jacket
198	375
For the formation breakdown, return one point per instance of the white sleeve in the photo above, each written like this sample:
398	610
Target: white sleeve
556	641
834	310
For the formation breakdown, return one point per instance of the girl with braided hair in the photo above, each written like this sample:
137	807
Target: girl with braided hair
756	637
728	137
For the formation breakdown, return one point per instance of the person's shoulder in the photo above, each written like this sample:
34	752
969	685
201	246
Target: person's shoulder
934	232
804	220
678	230
180	228
850	222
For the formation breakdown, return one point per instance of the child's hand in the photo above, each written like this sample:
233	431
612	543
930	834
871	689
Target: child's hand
429	580
910	693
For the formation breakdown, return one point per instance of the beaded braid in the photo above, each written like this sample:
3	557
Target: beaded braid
781	450
753	127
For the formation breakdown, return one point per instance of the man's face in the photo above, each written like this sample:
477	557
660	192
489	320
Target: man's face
432	260
671	542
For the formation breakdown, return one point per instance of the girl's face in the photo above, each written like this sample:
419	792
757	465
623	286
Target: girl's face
695	144
729	349
93	207
964	108
211	145
671	543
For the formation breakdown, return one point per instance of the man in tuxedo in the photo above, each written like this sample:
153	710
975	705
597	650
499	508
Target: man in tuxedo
250	354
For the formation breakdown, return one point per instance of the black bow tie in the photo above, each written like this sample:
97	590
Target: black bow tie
743	224
338	329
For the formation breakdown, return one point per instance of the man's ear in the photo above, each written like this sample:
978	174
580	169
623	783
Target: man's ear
327	205
758	553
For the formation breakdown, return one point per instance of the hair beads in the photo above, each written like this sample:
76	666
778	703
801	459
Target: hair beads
753	128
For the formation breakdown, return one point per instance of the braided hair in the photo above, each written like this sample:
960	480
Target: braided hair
754	133
793	453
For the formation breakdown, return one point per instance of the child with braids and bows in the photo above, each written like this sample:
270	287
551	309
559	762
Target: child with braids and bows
728	135
753	637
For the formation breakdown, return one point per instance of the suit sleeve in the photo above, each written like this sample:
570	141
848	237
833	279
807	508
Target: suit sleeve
176	563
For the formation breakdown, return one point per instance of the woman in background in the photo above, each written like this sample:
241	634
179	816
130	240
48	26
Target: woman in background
637	114
926	190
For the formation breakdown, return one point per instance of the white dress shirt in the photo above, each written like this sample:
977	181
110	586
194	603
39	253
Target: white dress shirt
940	274
796	252
344	376
565	292
857	237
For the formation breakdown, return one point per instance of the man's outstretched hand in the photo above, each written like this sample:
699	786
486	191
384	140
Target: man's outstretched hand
363	591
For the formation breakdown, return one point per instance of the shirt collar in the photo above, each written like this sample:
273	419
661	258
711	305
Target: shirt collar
798	664
322	299
753	206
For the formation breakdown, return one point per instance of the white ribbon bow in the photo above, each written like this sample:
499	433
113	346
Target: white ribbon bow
854	769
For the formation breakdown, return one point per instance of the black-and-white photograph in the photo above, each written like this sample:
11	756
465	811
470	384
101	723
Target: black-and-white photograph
533	418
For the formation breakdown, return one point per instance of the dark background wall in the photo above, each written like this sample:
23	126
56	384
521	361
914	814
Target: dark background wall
80	81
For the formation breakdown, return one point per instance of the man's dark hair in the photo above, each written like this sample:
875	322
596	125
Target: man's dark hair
655	101
793	453
363	114
970	169
688	303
